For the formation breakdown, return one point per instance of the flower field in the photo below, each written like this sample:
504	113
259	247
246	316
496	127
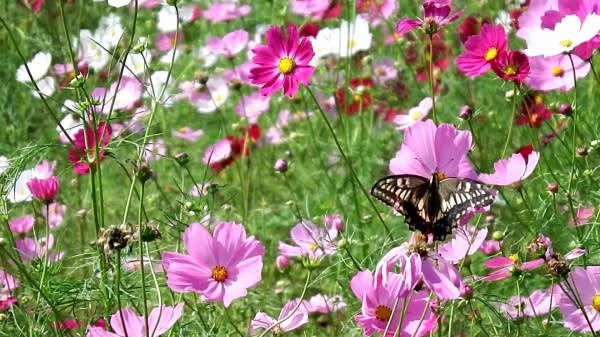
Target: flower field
189	168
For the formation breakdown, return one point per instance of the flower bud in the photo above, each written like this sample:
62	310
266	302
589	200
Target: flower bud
582	151
465	112
566	109
150	233
182	159
498	235
334	221
172	2
552	187
282	262
281	165
143	173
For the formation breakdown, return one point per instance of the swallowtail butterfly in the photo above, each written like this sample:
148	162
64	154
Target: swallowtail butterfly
432	206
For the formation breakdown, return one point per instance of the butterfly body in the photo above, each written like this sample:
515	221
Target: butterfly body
434	205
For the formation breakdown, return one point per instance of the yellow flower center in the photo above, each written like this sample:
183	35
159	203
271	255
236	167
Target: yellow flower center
312	246
539	99
491	54
219	274
566	43
596	302
416	116
383	313
557	71
351	44
356	98
514	258
286	65
510	70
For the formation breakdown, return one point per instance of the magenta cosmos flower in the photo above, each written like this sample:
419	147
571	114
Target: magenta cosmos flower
282	63
428	148
435	16
556	72
512	170
21	225
511	66
378	300
221	266
84	153
160	320
481	50
44	190
299	317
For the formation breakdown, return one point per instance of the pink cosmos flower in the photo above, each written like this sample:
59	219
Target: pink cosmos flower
35	5
160	320
511	66
240	73
324	304
466	242
531	19
376	11
311	241
8	284
334	221
441	277
21	225
538	304
481	50
378	300
435	16
80	156
310	8
230	45
126	97
384	70
414	114
282	63
219	152
225	11
155	150
30	249
44	190
586	281
221	266
583	216
7	303
45	169
555	72
428	148
166	41
298	318
512	170
188	134
490	247
252	106
508	265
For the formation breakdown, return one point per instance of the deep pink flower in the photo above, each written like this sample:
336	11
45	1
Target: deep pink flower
21	225
435	16
282	63
378	300
428	148
311	241
298	318
481	50
507	266
225	11
35	5
466	242
512	170
490	247
511	66
160	320
334	221
221	266
80	156
586	281
556	72
44	190
7	303
230	45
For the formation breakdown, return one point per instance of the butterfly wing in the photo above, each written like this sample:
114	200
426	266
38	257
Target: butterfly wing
458	195
408	195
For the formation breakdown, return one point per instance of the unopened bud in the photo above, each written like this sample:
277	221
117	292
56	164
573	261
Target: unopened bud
566	109
235	84
139	47
582	151
498	235
465	112
201	76
281	165
172	2
282	262
143	173
182	158
78	81
552	187
150	233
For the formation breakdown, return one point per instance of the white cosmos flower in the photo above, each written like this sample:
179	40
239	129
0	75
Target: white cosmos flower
47	86
353	37
4	164
110	30
414	114
118	3
218	95
323	44
92	51
135	62
569	33
38	66
20	192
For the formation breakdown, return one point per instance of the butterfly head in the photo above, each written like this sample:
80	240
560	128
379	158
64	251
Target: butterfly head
435	179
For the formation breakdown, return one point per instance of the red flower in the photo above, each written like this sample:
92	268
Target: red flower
309	29
360	101
533	111
81	156
525	151
511	66
470	26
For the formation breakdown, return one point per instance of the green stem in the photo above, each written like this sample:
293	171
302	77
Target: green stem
118	291
141	229
431	80
574	146
512	121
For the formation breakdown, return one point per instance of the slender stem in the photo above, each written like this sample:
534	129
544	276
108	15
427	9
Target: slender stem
237	330
274	325
118	292
512	120
431	80
141	228
574	146
348	163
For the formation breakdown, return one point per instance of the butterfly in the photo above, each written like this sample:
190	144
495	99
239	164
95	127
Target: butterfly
434	205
